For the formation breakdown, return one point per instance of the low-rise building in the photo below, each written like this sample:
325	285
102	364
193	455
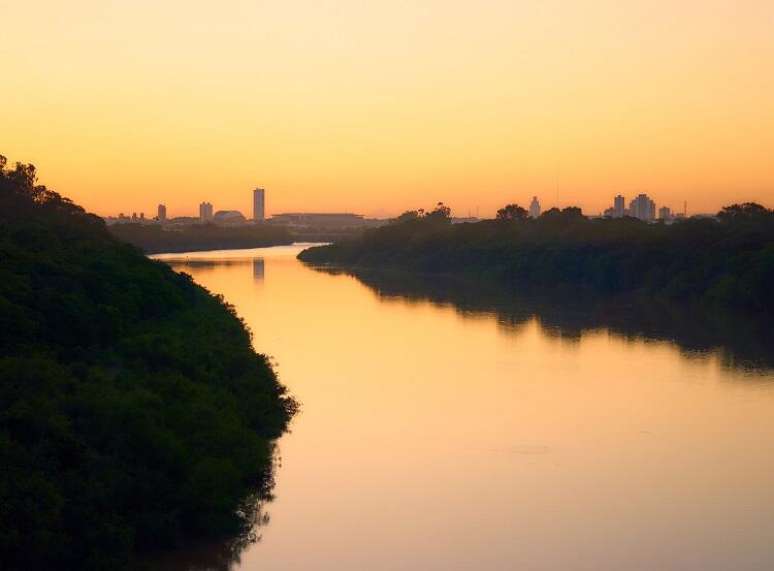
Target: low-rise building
319	219
228	217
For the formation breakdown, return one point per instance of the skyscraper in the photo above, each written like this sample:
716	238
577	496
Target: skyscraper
259	204
619	206
534	208
205	211
643	208
162	213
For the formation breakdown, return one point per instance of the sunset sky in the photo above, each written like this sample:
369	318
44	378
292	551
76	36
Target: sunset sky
380	106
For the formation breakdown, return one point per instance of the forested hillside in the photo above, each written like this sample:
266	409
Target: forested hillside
134	413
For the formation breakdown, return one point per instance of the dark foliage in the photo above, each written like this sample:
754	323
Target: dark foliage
728	261
153	239
134	413
511	212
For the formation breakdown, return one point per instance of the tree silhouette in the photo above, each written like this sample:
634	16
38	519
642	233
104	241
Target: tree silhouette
511	212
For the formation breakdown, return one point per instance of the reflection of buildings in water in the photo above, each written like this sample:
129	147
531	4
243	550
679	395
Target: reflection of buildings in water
258	269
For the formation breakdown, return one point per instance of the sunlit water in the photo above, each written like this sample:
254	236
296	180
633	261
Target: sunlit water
430	438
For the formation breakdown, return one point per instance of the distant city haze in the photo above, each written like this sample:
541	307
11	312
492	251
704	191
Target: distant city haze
379	107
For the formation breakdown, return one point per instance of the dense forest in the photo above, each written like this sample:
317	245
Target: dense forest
134	412
154	239
725	261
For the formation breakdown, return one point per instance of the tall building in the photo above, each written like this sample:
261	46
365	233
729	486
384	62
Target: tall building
643	208
259	205
205	211
162	213
619	206
534	208
664	213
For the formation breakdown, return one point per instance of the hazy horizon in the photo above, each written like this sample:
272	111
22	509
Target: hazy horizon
388	106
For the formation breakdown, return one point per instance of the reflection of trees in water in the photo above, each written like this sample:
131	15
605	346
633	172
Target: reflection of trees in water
181	265
226	554
739	341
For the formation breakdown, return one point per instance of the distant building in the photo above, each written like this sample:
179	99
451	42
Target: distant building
619	206
259	204
319	219
534	208
229	217
124	219
120	219
665	214
162	213
643	208
183	220
205	212
618	210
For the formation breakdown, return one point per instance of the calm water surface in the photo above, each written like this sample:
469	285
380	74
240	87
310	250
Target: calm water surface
436	438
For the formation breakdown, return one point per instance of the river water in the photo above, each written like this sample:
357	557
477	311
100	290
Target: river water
439	431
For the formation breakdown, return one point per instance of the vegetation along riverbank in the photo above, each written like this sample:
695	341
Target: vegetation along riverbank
723	261
153	239
134	412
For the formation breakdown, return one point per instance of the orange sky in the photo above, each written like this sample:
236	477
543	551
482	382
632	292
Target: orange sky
380	106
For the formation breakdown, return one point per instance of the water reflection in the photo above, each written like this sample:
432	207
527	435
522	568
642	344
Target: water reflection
449	425
258	269
226	554
199	265
194	265
741	342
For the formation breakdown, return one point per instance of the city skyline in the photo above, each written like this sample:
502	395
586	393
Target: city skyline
392	106
190	208
641	206
416	285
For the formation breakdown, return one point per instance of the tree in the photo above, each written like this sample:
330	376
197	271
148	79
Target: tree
572	212
410	215
511	212
747	211
565	215
23	175
441	213
126	390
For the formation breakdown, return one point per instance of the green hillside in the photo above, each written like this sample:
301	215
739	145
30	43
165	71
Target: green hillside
134	412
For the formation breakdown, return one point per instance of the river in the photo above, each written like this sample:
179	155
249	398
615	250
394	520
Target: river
438	433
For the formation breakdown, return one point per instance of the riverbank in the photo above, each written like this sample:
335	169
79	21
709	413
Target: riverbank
135	414
728	262
154	239
557	410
